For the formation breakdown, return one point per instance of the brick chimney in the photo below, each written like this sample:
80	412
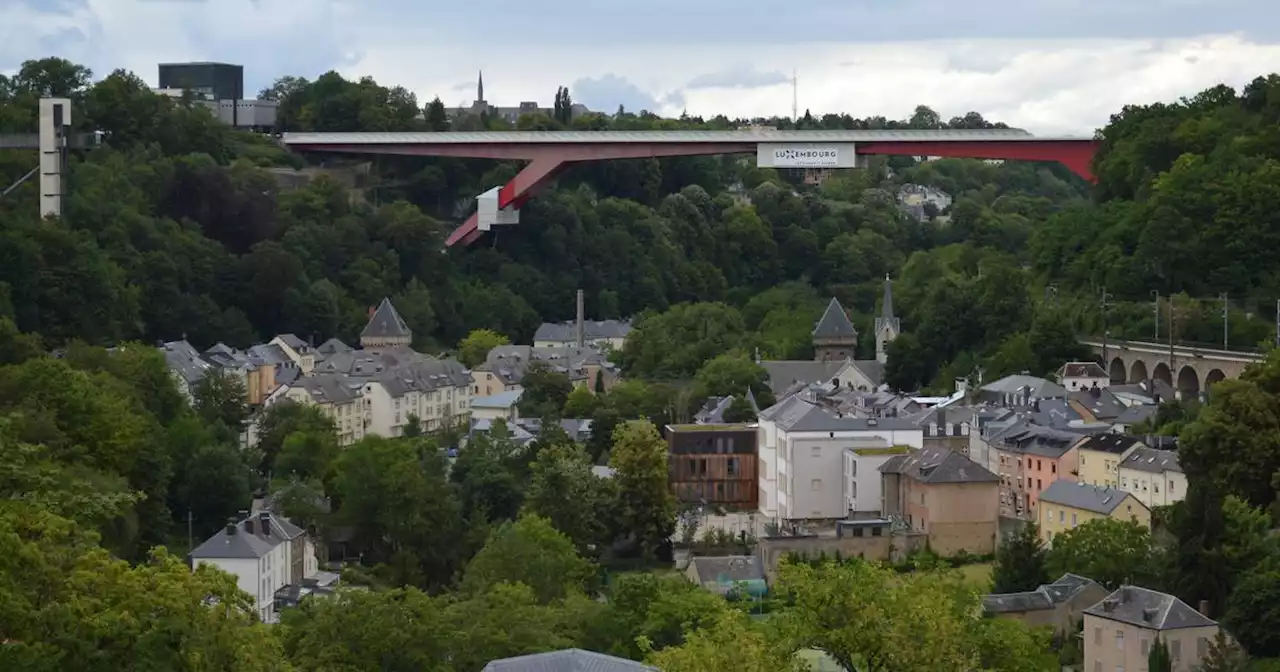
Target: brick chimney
581	332
1204	608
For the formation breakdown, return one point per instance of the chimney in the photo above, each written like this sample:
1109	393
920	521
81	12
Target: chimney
581	333
264	522
1204	608
231	528
372	310
248	525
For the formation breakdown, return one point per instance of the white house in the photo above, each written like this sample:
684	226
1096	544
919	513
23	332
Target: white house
496	406
1082	376
864	486
1153	476
265	553
805	470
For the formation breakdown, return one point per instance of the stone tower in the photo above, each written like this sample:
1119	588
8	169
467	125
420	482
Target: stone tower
834	338
386	328
887	325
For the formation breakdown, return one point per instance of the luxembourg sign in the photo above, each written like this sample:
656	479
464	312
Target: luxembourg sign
806	155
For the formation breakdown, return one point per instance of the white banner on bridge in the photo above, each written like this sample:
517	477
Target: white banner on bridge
806	155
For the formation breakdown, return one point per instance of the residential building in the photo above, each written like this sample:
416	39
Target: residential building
265	553
505	366
913	198
256	373
567	660
1066	505
1096	405
802	448
1119	631
946	497
1029	458
725	574
501	405
946	427
385	328
1100	458
1132	415
339	396
437	392
297	350
1153	476
1059	605
714	465
1076	376
602	335
186	365
1020	390
864	484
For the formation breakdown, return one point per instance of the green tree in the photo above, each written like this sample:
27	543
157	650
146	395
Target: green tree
1253	614
675	344
281	420
1225	656
529	551
1109	551
307	454
563	489
731	642
473	349
639	460
220	398
545	391
580	403
733	374
1020	562
1158	659
397	629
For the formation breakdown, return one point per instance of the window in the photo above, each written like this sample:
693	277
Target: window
1097	636
1073	519
1171	487
815	484
1202	647
815	451
1037	465
1038	486
1146	646
1062	516
1156	485
1120	640
1053	467
922	499
1175	649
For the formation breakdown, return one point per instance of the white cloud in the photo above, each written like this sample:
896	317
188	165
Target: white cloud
1069	84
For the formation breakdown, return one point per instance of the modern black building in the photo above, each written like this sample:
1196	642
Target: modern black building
213	81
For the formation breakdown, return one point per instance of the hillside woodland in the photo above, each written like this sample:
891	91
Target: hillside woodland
178	228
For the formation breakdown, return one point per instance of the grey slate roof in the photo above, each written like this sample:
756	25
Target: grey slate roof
887	318
1045	597
1037	387
1135	414
184	360
1114	444
424	376
834	323
567	332
728	568
333	346
1149	609
1086	497
568	660
1104	406
236	542
508	362
386	323
936	466
371	362
330	388
294	342
785	373
270	353
1152	460
797	414
1082	370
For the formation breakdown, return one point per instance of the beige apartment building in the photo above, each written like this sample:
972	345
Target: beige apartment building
1119	631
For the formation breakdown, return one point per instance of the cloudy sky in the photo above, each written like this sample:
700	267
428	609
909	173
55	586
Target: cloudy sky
1050	66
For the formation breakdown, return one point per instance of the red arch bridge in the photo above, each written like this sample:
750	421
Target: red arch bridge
549	152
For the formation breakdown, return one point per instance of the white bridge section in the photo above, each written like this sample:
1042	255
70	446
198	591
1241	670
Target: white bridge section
489	215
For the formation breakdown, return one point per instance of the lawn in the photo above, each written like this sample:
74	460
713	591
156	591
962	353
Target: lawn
979	575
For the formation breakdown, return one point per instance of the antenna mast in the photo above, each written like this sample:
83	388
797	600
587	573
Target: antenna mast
795	97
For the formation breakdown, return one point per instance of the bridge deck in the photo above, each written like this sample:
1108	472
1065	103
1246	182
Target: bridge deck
666	137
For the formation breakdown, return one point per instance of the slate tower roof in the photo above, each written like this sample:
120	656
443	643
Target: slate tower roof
385	327
835	323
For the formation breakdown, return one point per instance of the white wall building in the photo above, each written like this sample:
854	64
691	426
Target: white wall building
802	449
1153	476
265	553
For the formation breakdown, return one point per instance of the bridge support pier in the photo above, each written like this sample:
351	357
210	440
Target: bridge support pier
512	195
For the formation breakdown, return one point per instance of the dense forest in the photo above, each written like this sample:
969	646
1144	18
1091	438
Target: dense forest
178	227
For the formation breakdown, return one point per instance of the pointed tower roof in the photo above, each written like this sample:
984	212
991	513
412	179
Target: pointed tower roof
386	323
480	88
887	318
834	323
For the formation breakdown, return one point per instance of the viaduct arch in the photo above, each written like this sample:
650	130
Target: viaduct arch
1191	371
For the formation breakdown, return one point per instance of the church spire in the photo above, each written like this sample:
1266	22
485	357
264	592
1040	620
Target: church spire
888	326
480	88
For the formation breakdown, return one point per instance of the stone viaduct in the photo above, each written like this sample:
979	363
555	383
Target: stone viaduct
1189	369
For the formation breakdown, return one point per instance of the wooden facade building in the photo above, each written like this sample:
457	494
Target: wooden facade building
714	464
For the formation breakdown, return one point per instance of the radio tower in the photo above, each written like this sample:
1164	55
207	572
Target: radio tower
795	98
